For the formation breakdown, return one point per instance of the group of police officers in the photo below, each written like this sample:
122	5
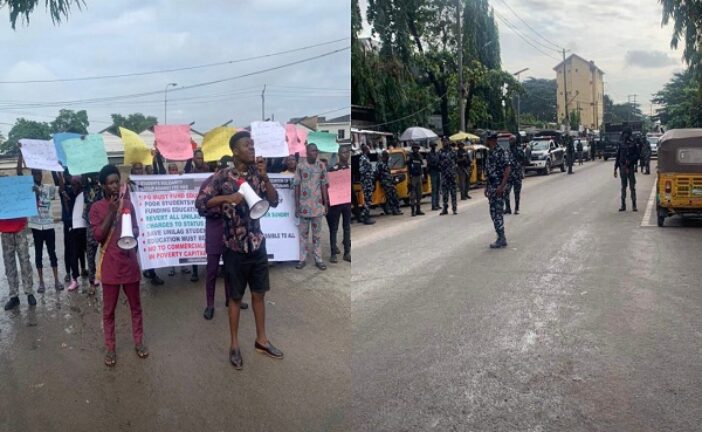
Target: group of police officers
451	168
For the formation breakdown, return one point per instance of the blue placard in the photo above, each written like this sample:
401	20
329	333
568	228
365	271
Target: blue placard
59	138
18	198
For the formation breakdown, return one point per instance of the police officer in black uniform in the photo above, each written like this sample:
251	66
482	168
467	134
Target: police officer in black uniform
434	175
570	153
625	162
414	168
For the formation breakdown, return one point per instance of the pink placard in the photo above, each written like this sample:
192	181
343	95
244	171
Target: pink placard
296	139
173	141
339	187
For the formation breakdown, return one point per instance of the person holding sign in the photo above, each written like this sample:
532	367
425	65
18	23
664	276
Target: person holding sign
116	267
43	231
245	256
340	210
15	245
311	204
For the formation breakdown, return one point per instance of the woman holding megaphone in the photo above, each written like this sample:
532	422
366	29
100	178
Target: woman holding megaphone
244	193
113	223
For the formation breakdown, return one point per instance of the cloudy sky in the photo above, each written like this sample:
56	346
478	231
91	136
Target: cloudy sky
624	38
128	36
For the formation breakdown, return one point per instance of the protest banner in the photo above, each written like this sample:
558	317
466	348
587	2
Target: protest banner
215	144
173	141
339	187
135	149
296	140
59	138
269	139
85	155
279	225
18	197
325	141
172	233
40	154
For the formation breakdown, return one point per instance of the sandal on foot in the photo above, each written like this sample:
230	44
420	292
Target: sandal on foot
110	358
141	351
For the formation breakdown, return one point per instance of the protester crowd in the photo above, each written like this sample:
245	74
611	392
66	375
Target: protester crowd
91	243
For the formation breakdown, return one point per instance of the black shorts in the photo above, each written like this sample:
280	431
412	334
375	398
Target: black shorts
250	269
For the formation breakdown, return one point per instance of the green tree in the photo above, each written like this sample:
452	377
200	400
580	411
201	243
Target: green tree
687	27
71	121
22	9
680	101
575	119
24	128
136	122
539	99
623	112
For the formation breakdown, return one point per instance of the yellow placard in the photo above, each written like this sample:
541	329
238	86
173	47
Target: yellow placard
215	144
135	150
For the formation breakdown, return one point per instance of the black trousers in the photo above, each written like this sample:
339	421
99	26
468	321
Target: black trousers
335	213
40	237
77	251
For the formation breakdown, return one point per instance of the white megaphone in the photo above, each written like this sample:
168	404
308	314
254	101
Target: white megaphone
258	207
127	241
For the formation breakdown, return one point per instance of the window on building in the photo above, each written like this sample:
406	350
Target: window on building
340	134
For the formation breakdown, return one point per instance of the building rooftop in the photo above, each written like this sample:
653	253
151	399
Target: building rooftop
591	62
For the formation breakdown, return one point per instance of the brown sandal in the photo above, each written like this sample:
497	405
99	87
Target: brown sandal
110	358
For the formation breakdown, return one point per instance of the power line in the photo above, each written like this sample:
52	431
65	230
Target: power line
177	89
407	116
208	65
524	38
530	27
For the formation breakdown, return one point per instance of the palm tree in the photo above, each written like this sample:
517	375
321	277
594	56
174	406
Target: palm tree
58	9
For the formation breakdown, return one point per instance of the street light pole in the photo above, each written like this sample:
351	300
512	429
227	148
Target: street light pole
460	67
263	103
165	102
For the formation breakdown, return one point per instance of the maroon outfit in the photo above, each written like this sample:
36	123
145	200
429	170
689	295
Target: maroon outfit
214	246
119	268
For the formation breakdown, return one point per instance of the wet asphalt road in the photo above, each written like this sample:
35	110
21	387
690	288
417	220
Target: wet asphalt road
588	321
52	376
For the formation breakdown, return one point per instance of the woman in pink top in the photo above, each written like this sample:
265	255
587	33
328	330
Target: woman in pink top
119	267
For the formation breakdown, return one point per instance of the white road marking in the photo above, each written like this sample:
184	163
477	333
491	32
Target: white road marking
646	221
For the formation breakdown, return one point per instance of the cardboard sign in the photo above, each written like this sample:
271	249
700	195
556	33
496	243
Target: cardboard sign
339	187
40	154
173	142
269	139
85	155
135	149
59	138
325	141
296	140
18	197
215	145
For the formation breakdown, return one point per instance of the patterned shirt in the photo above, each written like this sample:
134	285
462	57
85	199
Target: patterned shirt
447	162
44	220
311	177
497	161
241	233
365	169
384	174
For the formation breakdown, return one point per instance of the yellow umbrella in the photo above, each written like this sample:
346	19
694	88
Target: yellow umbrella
462	136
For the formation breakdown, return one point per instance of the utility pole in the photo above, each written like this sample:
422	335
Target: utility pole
263	103
519	99
632	105
461	96
565	93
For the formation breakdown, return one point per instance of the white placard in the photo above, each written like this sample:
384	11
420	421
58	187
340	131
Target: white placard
78	221
40	154
269	139
172	233
279	224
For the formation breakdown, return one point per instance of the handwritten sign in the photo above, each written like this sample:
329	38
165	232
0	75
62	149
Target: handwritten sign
85	155
215	144
40	154
269	139
325	141
295	139
59	138
18	197
339	187
173	141
135	149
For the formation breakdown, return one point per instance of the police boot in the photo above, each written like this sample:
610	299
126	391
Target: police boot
516	205
623	207
633	205
508	209
499	243
414	213
368	221
419	211
444	211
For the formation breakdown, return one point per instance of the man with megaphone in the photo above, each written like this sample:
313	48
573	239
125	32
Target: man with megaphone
244	193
